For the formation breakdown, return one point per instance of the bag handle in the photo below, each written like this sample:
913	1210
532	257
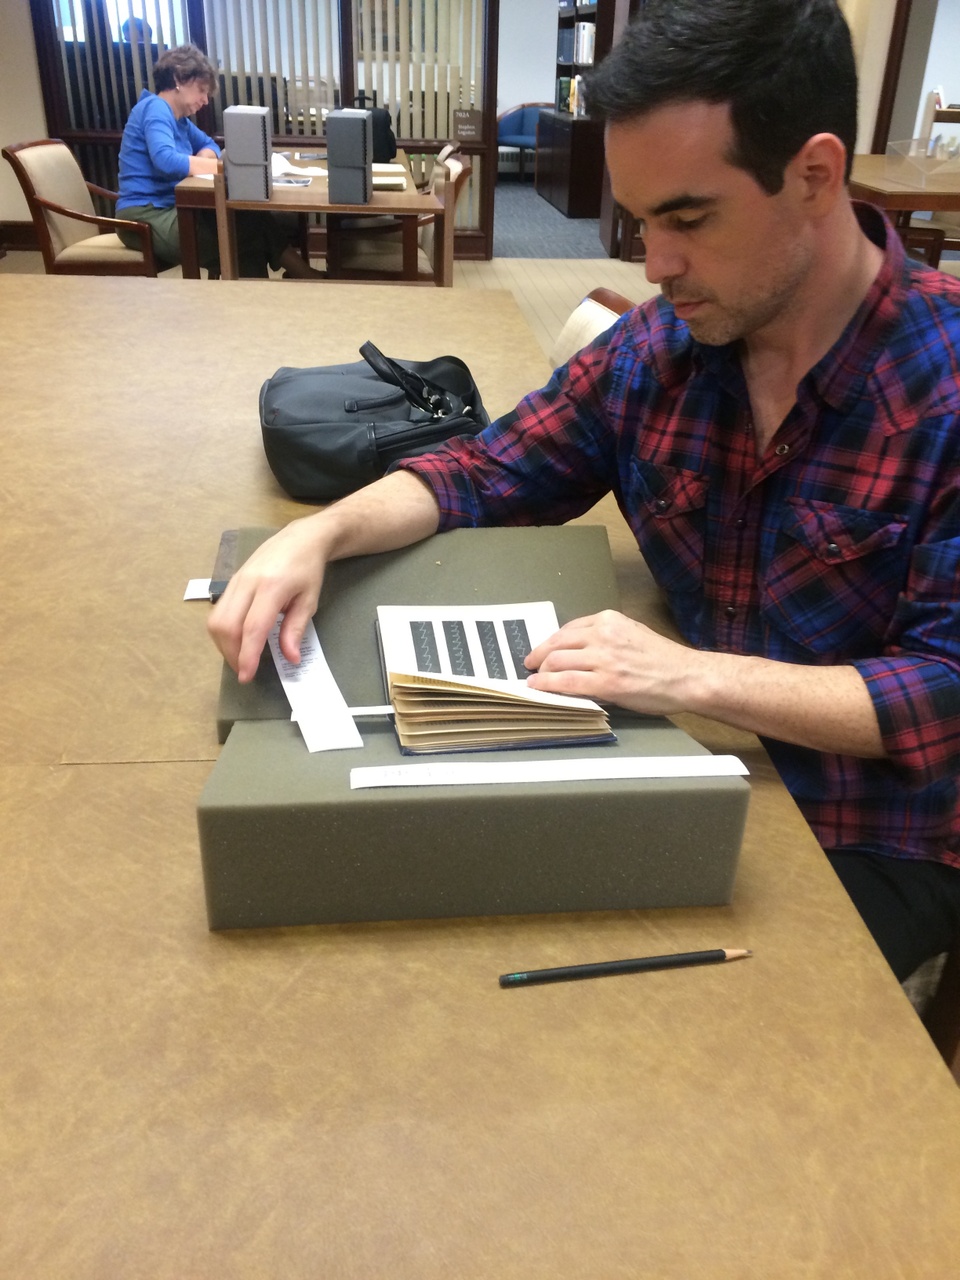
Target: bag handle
425	395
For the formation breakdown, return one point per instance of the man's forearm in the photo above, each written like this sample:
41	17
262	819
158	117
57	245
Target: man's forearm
615	659
825	708
393	512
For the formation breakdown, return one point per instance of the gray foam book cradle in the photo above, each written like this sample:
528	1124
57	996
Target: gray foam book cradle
285	841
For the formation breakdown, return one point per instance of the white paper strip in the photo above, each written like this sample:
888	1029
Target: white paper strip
198	589
567	770
316	702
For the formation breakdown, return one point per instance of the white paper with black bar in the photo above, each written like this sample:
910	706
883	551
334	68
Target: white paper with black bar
478	646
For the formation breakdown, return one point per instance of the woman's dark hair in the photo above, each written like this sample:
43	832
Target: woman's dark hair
785	67
184	63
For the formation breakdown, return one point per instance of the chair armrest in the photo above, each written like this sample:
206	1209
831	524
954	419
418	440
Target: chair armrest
140	229
613	301
103	191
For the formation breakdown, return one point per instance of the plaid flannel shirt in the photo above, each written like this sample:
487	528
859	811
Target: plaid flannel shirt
840	545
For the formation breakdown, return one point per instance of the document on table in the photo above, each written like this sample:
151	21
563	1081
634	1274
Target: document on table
316	703
389	177
564	770
281	167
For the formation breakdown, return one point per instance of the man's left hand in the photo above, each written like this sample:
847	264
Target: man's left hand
611	658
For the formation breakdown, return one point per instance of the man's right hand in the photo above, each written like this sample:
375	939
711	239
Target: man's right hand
285	574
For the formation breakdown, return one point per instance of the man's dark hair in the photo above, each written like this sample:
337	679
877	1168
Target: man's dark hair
180	65
785	67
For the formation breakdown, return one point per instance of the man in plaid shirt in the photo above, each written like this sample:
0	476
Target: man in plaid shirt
782	432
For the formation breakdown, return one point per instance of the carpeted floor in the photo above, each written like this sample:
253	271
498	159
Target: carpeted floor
527	226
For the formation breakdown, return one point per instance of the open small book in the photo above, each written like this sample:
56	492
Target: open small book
456	680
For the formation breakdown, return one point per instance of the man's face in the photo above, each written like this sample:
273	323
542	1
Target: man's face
730	257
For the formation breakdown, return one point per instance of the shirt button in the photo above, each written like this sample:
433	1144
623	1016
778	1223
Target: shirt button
782	449
730	612
740	524
662	504
833	548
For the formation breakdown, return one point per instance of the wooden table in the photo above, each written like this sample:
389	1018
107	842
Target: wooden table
870	181
362	1101
195	194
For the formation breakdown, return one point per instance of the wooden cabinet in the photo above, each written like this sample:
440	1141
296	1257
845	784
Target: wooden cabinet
570	163
569	144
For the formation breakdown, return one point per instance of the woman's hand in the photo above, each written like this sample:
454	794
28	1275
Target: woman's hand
203	162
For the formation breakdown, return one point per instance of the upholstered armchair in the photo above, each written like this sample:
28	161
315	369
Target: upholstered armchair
73	238
517	128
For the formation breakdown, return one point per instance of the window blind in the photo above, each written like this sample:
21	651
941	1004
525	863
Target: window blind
282	54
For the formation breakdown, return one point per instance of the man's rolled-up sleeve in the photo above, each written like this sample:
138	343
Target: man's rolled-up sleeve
547	462
915	682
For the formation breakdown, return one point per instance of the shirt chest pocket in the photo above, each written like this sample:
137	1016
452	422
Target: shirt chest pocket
668	517
832	580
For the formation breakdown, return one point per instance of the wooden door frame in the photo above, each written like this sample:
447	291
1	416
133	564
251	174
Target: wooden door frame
891	76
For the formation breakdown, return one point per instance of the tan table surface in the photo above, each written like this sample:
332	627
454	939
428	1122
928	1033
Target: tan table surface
364	1101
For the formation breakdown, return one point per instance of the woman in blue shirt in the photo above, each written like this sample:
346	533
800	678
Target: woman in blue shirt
161	145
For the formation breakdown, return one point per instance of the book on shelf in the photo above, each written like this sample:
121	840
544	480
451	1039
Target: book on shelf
566	43
584	43
577	105
563	93
456	681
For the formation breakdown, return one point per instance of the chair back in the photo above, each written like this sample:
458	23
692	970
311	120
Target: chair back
518	126
925	243
448	183
591	317
49	170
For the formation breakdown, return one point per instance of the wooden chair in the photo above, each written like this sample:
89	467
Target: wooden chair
591	317
948	223
446	151
924	241
375	253
73	238
941	1017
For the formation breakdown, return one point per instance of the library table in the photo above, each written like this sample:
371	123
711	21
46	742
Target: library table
195	194
364	1100
870	181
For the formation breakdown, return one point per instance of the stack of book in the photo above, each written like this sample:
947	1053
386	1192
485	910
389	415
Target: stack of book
584	43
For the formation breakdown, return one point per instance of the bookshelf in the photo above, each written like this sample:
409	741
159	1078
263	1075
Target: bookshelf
569	144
